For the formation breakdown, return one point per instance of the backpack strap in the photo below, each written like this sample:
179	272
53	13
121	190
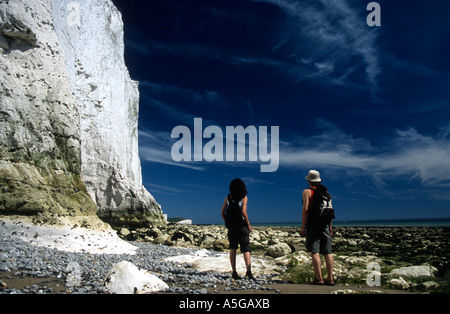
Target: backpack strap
313	189
230	199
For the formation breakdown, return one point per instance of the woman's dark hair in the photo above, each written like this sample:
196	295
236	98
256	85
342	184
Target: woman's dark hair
238	190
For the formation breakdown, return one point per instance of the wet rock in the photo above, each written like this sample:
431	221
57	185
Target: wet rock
278	250
415	271
399	283
221	245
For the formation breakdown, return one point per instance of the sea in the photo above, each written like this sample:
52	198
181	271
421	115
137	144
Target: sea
427	222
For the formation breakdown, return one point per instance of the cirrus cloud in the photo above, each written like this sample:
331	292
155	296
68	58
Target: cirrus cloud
408	158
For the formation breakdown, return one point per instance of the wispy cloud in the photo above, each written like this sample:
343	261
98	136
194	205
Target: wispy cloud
322	40
166	109
203	97
409	157
173	101
164	189
156	147
332	36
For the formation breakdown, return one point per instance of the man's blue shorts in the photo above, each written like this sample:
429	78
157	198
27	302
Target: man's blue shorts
318	238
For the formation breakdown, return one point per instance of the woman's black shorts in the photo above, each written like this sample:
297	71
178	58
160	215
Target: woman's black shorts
239	237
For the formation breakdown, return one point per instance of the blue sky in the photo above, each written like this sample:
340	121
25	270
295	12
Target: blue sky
368	107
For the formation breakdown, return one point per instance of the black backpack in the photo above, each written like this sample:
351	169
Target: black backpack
233	214
321	209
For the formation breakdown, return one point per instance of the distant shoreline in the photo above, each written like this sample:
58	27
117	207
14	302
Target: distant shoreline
423	222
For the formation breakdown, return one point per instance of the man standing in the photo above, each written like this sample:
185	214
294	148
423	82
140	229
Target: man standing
318	233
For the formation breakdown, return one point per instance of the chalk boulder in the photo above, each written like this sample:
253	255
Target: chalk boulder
126	278
415	271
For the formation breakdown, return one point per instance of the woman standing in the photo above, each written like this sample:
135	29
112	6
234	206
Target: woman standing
234	213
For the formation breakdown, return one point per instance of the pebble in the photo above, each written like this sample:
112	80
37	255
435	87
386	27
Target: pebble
28	260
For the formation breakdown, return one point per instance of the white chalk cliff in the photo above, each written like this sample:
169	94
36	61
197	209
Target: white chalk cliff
69	113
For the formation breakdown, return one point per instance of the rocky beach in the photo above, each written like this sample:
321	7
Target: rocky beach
406	258
192	259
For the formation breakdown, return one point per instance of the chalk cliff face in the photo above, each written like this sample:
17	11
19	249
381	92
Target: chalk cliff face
68	114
